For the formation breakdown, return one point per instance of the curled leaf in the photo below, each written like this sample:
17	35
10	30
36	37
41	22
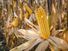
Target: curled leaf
34	44
29	34
23	46
42	46
60	43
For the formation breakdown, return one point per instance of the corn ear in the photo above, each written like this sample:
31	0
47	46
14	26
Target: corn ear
21	14
15	22
28	9
20	9
42	22
26	15
26	0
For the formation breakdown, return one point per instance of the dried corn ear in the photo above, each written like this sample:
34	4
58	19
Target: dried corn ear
15	22
26	0
26	15
21	14
42	22
21	10
28	9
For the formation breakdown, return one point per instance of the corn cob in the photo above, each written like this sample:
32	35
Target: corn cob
21	14
15	22
26	0
26	15
42	22
28	9
21	10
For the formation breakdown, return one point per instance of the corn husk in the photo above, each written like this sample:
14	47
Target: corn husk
23	46
42	46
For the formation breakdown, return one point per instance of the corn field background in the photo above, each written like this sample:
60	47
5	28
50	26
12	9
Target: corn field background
33	25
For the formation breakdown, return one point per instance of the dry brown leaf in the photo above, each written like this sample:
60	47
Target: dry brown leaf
42	46
60	42
29	34
23	46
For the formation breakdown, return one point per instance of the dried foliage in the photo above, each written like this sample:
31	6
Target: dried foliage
34	25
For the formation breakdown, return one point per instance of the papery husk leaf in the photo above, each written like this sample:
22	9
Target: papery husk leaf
24	46
35	43
42	46
29	34
60	42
